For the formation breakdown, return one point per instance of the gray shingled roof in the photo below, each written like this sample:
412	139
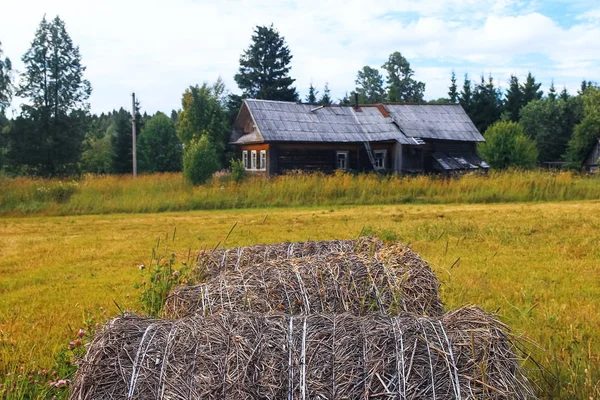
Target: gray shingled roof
435	121
287	121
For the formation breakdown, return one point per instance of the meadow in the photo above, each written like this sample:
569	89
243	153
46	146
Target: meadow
92	194
536	265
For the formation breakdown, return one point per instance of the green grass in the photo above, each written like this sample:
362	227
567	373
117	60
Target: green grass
168	192
537	265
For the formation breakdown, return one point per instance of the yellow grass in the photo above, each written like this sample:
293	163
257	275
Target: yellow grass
538	265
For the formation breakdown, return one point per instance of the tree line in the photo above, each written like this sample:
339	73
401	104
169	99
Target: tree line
55	133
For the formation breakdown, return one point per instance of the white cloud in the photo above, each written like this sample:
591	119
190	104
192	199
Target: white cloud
157	49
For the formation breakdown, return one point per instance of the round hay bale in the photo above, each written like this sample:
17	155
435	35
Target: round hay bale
466	354
211	263
332	283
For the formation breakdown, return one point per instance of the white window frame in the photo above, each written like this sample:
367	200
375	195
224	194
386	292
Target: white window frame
383	159
263	160
346	160
245	159
253	159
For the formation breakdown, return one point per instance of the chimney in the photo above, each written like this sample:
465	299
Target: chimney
356	101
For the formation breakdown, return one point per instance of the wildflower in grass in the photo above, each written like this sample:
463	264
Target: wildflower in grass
175	274
142	266
81	333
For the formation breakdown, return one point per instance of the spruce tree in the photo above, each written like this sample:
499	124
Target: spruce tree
401	86
5	82
466	95
453	90
326	98
531	89
121	142
552	91
265	66
486	104
564	94
311	98
513	99
369	86
57	93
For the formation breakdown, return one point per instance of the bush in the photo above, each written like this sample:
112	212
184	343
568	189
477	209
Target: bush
237	170
200	161
507	145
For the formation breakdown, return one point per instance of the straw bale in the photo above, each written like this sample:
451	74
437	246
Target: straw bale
331	283
213	262
465	354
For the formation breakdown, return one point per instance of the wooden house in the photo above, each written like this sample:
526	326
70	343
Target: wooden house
273	137
592	161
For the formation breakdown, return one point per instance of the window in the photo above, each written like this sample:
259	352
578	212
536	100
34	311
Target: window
341	160
245	158
263	159
253	159
380	156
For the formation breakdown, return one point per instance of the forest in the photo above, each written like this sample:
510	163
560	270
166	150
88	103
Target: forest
55	134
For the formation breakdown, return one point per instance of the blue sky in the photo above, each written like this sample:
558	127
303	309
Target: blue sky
171	45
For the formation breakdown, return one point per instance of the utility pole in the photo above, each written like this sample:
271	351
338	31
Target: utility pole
133	138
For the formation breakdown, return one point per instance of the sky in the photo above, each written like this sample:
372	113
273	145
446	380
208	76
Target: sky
158	48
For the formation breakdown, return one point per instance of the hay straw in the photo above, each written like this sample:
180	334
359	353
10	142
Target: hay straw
465	354
333	283
213	262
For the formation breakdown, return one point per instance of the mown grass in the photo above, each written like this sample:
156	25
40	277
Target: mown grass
169	192
537	265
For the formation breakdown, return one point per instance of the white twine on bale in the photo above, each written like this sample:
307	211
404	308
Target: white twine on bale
399	358
290	365
458	395
136	367
303	365
303	292
161	380
429	353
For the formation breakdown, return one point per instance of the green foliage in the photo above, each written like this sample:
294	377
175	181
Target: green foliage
401	86
486	104
5	82
311	97
326	98
121	142
58	192
587	132
513	99
453	89
200	161
550	123
466	95
369	86
48	139
506	145
160	277
97	156
531	89
238	172
159	147
203	114
265	67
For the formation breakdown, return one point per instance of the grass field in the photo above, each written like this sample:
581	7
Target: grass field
92	194
537	265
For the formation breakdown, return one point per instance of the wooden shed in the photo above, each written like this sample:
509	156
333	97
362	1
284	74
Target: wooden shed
592	161
273	137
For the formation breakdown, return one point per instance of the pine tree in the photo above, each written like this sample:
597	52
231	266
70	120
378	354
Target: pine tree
311	98
326	98
345	101
369	87
265	66
531	90
486	104
5	82
513	99
453	90
54	85
121	142
402	87
564	94
552	91
466	95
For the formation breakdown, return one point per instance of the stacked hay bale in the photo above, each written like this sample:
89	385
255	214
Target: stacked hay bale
318	320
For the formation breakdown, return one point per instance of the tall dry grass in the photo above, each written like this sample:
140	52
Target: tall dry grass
104	194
